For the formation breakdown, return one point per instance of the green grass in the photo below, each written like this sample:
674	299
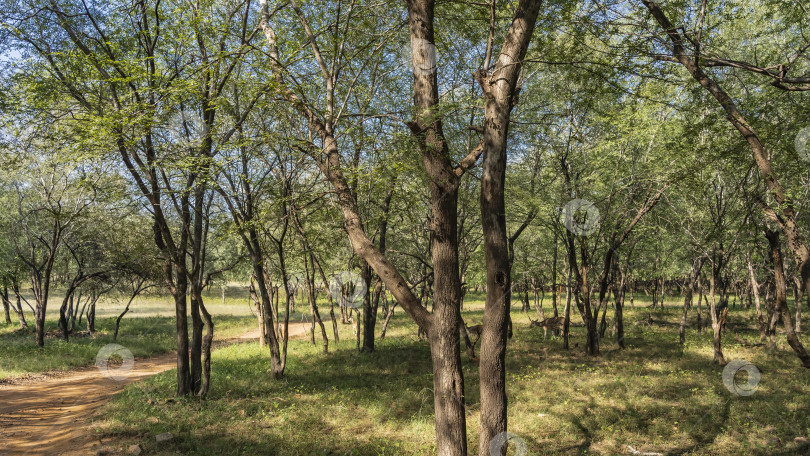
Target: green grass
147	330
653	396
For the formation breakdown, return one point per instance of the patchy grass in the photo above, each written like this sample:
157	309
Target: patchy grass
143	335
654	396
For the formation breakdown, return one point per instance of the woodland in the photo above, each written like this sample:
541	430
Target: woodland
504	227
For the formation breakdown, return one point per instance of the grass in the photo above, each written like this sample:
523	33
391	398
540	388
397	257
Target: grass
654	396
148	329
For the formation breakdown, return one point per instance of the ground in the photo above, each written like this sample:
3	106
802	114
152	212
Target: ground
654	396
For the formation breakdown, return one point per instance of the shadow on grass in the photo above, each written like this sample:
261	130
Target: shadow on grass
143	336
655	395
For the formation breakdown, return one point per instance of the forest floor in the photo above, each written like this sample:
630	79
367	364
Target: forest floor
52	413
654	396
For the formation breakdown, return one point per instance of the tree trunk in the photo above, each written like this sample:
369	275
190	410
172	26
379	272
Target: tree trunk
6	305
567	310
18	309
699	304
63	311
197	327
91	315
370	303
39	316
313	302
663	293
448	379
260	321
799	296
554	290
387	319
603	321
499	87
689	293
781	298
715	277
208	339
118	320
181	320
618	323
755	290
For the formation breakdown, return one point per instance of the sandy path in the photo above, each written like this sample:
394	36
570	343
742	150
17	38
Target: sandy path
50	416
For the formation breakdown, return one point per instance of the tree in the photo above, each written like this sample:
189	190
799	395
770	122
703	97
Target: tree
52	196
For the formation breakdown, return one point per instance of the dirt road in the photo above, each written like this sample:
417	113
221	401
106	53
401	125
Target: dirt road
50	416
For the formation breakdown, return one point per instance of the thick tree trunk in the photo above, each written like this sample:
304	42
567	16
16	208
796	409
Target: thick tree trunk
500	88
448	379
492	369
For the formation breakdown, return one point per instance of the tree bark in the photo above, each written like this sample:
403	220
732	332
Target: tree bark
18	309
799	295
781	307
717	266
6	305
689	293
500	91
179	287
755	291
